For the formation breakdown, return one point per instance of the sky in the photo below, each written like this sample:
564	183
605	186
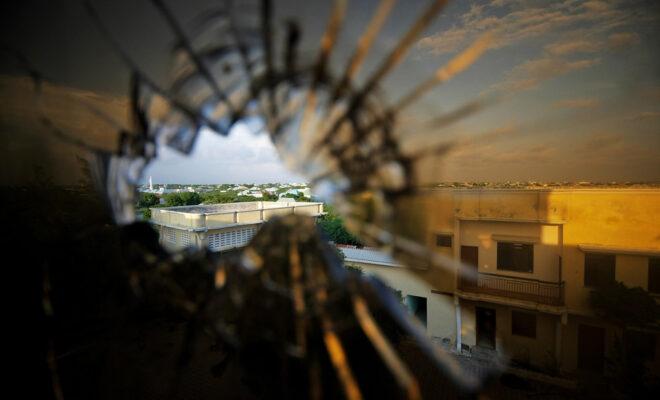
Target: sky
575	84
241	157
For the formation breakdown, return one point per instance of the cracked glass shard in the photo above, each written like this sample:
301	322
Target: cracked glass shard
340	128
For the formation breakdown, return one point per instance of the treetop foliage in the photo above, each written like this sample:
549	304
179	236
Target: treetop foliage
333	226
182	199
148	200
627	306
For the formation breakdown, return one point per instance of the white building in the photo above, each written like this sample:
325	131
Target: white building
221	227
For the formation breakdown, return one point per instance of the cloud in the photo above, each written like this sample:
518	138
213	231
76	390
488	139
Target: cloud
493	156
240	157
622	40
532	73
515	21
577	103
601	155
571	46
446	42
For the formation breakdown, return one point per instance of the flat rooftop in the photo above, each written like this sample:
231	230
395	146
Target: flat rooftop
368	255
216	216
233	207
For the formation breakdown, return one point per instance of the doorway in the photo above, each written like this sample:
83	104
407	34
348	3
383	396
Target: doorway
591	348
417	307
470	259
485	327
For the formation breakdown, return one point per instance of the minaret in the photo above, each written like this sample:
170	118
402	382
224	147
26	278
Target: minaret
151	184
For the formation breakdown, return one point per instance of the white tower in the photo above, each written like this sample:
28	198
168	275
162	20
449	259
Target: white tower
151	184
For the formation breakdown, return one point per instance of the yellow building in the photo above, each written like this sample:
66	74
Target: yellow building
537	254
221	227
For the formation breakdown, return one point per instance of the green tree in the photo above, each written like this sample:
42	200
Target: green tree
269	197
333	226
634	311
148	200
240	199
182	199
627	307
217	196
300	197
190	198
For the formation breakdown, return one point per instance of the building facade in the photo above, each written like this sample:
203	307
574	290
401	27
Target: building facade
221	227
534	256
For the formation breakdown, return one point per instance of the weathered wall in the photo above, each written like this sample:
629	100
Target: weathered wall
441	322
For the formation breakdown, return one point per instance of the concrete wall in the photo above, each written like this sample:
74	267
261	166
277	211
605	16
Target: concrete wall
570	339
609	219
441	322
184	220
182	238
487	234
561	221
538	352
250	216
215	220
219	215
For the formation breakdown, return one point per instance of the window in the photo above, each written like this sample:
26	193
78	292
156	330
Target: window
186	239
443	240
214	241
517	257
598	269
231	239
170	235
523	324
654	274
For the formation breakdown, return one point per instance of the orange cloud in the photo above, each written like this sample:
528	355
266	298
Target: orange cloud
572	46
532	73
516	21
577	103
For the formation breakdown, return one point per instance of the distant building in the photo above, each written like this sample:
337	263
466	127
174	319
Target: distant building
221	227
296	192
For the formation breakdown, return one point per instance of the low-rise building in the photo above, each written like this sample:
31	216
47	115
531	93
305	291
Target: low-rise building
221	227
414	292
535	256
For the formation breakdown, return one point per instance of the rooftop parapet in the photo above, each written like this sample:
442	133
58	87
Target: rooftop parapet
210	216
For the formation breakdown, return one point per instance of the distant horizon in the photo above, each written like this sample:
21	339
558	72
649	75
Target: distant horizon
531	182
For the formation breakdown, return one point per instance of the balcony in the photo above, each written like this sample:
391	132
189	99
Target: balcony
550	293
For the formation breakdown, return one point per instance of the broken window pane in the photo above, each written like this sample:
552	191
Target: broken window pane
342	93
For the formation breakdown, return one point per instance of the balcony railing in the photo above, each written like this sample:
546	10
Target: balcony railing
551	293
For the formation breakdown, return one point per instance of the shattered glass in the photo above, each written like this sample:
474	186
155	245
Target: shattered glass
287	294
